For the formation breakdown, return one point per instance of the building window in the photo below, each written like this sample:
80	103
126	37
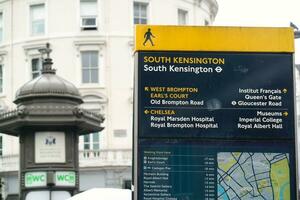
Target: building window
36	67
140	12
127	184
1	145
182	17
91	141
88	14
1	26
1	78
86	142
94	141
90	66
37	17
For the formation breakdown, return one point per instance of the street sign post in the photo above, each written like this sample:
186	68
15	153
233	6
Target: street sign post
214	113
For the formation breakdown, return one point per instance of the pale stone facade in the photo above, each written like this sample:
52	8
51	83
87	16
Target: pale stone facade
92	42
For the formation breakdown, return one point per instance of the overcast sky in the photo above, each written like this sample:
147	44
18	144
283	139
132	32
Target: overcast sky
278	13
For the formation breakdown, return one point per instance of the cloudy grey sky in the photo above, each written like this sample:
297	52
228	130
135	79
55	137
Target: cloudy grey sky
275	13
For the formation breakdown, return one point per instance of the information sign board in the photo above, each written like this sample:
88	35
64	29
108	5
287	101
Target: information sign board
212	170
198	94
50	147
214	113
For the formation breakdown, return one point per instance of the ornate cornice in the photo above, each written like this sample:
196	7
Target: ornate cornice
52	115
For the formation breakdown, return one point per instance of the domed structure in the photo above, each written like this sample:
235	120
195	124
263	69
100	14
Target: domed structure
50	101
48	118
48	85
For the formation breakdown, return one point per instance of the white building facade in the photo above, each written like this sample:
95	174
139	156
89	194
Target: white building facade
297	82
92	43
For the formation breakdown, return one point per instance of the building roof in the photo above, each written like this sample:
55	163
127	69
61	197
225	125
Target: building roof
49	102
48	85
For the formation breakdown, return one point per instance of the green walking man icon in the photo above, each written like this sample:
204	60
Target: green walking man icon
148	37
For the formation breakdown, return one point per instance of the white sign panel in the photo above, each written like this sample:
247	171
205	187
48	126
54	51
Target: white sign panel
45	195
65	178
60	195
35	179
50	147
38	195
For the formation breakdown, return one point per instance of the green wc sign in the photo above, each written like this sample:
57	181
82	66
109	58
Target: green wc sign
39	179
65	178
35	179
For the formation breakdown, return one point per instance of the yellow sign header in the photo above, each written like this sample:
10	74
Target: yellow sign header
211	38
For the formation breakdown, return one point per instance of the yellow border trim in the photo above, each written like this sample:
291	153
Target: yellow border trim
211	38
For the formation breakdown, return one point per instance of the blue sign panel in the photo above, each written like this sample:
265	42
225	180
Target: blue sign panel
215	95
210	170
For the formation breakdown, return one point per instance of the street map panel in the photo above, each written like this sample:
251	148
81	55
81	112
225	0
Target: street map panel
256	176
